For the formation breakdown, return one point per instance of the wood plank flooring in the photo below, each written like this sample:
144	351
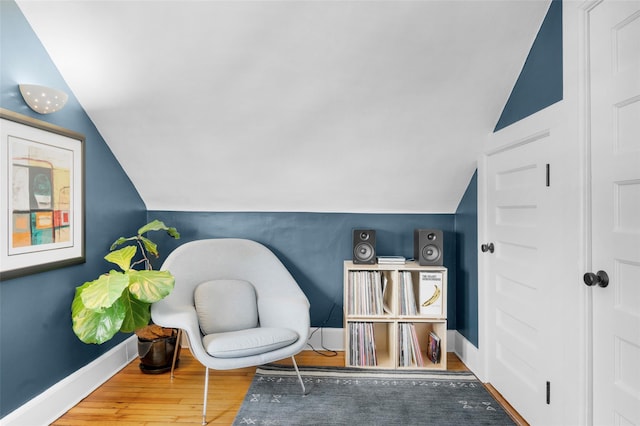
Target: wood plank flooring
131	398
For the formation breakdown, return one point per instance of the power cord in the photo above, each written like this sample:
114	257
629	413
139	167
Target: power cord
331	353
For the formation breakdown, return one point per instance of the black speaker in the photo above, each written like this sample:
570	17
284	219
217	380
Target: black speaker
428	247
364	246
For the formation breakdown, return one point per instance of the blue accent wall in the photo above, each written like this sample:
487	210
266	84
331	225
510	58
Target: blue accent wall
466	230
540	82
37	346
314	246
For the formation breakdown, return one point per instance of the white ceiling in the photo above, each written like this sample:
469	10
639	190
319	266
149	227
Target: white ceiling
320	106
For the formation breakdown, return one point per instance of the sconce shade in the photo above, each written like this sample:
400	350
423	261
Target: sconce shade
43	100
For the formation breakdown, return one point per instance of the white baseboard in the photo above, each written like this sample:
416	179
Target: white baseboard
467	352
451	337
59	398
326	338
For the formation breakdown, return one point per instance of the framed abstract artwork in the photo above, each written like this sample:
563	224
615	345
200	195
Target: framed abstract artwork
41	196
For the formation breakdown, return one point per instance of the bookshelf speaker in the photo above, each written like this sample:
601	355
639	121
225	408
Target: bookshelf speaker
364	246
428	247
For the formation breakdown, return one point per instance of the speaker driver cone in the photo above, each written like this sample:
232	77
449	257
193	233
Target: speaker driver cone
363	252
430	253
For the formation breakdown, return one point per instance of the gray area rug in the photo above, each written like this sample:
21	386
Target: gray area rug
347	396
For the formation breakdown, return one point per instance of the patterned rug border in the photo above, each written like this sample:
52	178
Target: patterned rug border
312	371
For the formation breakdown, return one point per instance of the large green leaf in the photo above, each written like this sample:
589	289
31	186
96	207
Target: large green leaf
151	286
122	257
149	246
158	225
104	291
95	326
138	313
120	241
77	304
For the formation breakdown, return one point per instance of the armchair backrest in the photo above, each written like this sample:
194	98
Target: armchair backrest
227	258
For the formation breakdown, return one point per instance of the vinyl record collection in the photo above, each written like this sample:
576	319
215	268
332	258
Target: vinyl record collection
367	293
362	345
410	353
407	294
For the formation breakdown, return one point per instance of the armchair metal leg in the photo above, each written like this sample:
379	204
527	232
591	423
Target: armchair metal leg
175	351
304	391
206	392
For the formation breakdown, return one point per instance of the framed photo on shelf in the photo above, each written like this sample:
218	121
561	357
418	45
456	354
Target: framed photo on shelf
41	196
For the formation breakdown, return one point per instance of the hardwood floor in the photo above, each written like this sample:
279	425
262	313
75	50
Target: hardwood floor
133	398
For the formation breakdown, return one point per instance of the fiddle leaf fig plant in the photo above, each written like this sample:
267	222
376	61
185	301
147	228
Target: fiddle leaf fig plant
121	300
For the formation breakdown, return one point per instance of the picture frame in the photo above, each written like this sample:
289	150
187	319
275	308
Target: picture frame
42	196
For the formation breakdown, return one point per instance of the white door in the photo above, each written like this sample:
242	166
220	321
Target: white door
519	307
614	54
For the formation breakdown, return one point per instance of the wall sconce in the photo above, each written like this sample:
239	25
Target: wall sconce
43	100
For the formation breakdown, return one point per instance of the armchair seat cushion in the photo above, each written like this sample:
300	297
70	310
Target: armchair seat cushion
253	341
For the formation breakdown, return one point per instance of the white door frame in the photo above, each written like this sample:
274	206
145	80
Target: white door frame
576	90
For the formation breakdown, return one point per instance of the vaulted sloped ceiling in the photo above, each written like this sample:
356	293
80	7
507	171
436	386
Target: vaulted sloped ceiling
320	106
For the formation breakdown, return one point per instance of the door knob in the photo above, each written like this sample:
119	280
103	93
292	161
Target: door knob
487	248
600	278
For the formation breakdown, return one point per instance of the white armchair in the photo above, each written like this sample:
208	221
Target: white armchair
237	303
